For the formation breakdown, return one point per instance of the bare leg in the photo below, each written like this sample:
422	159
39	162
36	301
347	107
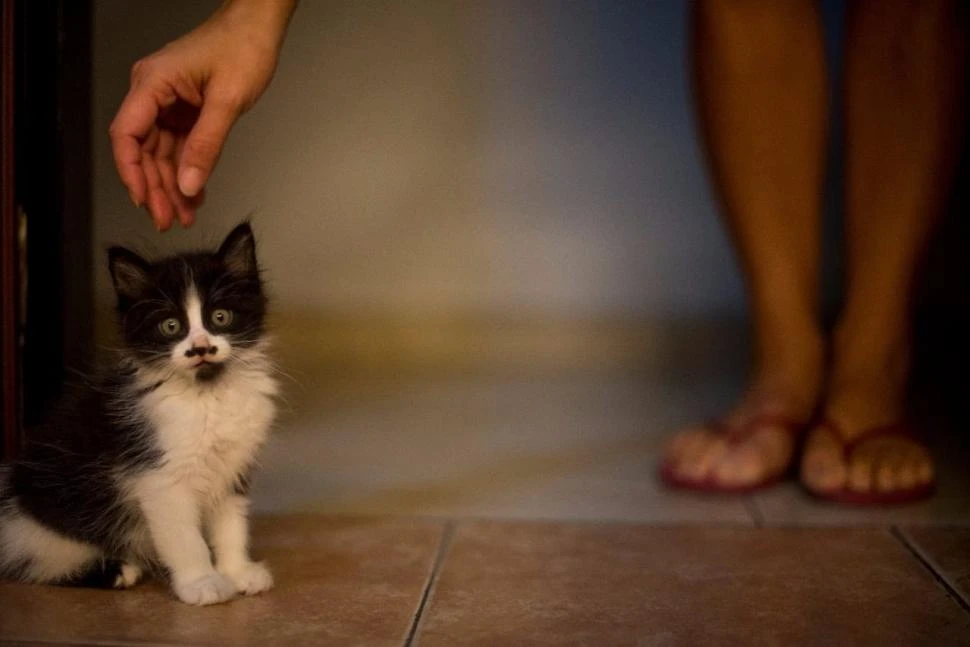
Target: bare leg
904	71
760	82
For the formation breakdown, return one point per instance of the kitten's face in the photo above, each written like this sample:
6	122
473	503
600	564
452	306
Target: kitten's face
192	313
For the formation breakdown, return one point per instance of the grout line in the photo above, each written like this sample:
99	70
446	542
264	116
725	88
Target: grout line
506	518
927	563
443	547
751	507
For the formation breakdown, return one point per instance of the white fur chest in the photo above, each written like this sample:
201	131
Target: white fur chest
209	433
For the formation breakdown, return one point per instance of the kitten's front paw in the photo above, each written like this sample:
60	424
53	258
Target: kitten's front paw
208	589
250	578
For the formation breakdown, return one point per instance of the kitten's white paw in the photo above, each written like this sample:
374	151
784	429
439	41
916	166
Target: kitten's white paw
250	578
208	589
129	576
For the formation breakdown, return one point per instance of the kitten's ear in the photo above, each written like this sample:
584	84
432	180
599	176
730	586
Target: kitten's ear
129	272
238	251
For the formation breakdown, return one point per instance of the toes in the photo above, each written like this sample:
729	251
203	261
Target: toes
737	467
822	468
695	454
886	473
860	474
924	472
901	468
740	466
212	588
890	468
906	474
698	464
916	467
764	454
922	464
251	578
682	444
832	476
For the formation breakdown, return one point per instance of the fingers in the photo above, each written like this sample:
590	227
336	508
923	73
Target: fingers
184	211
204	144
168	175
132	124
195	202
181	207
156	200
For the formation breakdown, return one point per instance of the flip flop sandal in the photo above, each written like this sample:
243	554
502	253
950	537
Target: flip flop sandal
898	430
733	436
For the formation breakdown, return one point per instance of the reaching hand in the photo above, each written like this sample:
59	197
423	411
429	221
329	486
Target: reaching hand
184	99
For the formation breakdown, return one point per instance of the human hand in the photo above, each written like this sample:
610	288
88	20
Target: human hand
183	101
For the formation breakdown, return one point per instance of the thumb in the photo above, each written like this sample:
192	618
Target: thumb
204	145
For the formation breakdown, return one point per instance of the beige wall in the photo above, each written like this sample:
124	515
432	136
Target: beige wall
452	158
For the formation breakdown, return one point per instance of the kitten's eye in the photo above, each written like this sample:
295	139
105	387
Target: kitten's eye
221	317
170	327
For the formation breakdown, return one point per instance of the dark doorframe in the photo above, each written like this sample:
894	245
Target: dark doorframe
9	351
47	282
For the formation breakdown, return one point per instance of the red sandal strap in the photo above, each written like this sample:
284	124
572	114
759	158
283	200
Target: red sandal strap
738	433
899	430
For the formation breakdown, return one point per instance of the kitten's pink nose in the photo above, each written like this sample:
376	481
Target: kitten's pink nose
200	346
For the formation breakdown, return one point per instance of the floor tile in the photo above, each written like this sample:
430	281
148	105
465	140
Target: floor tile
532	447
339	582
607	584
947	551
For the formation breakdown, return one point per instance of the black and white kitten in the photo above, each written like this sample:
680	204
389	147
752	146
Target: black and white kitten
146	468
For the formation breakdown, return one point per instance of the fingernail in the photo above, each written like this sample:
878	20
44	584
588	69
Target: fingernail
190	181
131	196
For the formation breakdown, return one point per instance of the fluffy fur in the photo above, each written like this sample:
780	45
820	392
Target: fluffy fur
145	468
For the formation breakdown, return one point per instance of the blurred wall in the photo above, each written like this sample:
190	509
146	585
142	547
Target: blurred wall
448	157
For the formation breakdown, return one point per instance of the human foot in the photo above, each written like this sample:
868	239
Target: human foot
862	453
754	444
750	448
879	465
727	457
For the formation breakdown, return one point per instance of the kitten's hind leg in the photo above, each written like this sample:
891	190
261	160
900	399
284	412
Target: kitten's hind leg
129	575
107	574
31	552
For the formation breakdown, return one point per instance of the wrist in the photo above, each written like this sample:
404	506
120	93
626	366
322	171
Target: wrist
263	19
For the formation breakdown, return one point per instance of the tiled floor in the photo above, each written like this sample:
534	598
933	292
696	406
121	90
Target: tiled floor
551	584
339	582
374	581
525	512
